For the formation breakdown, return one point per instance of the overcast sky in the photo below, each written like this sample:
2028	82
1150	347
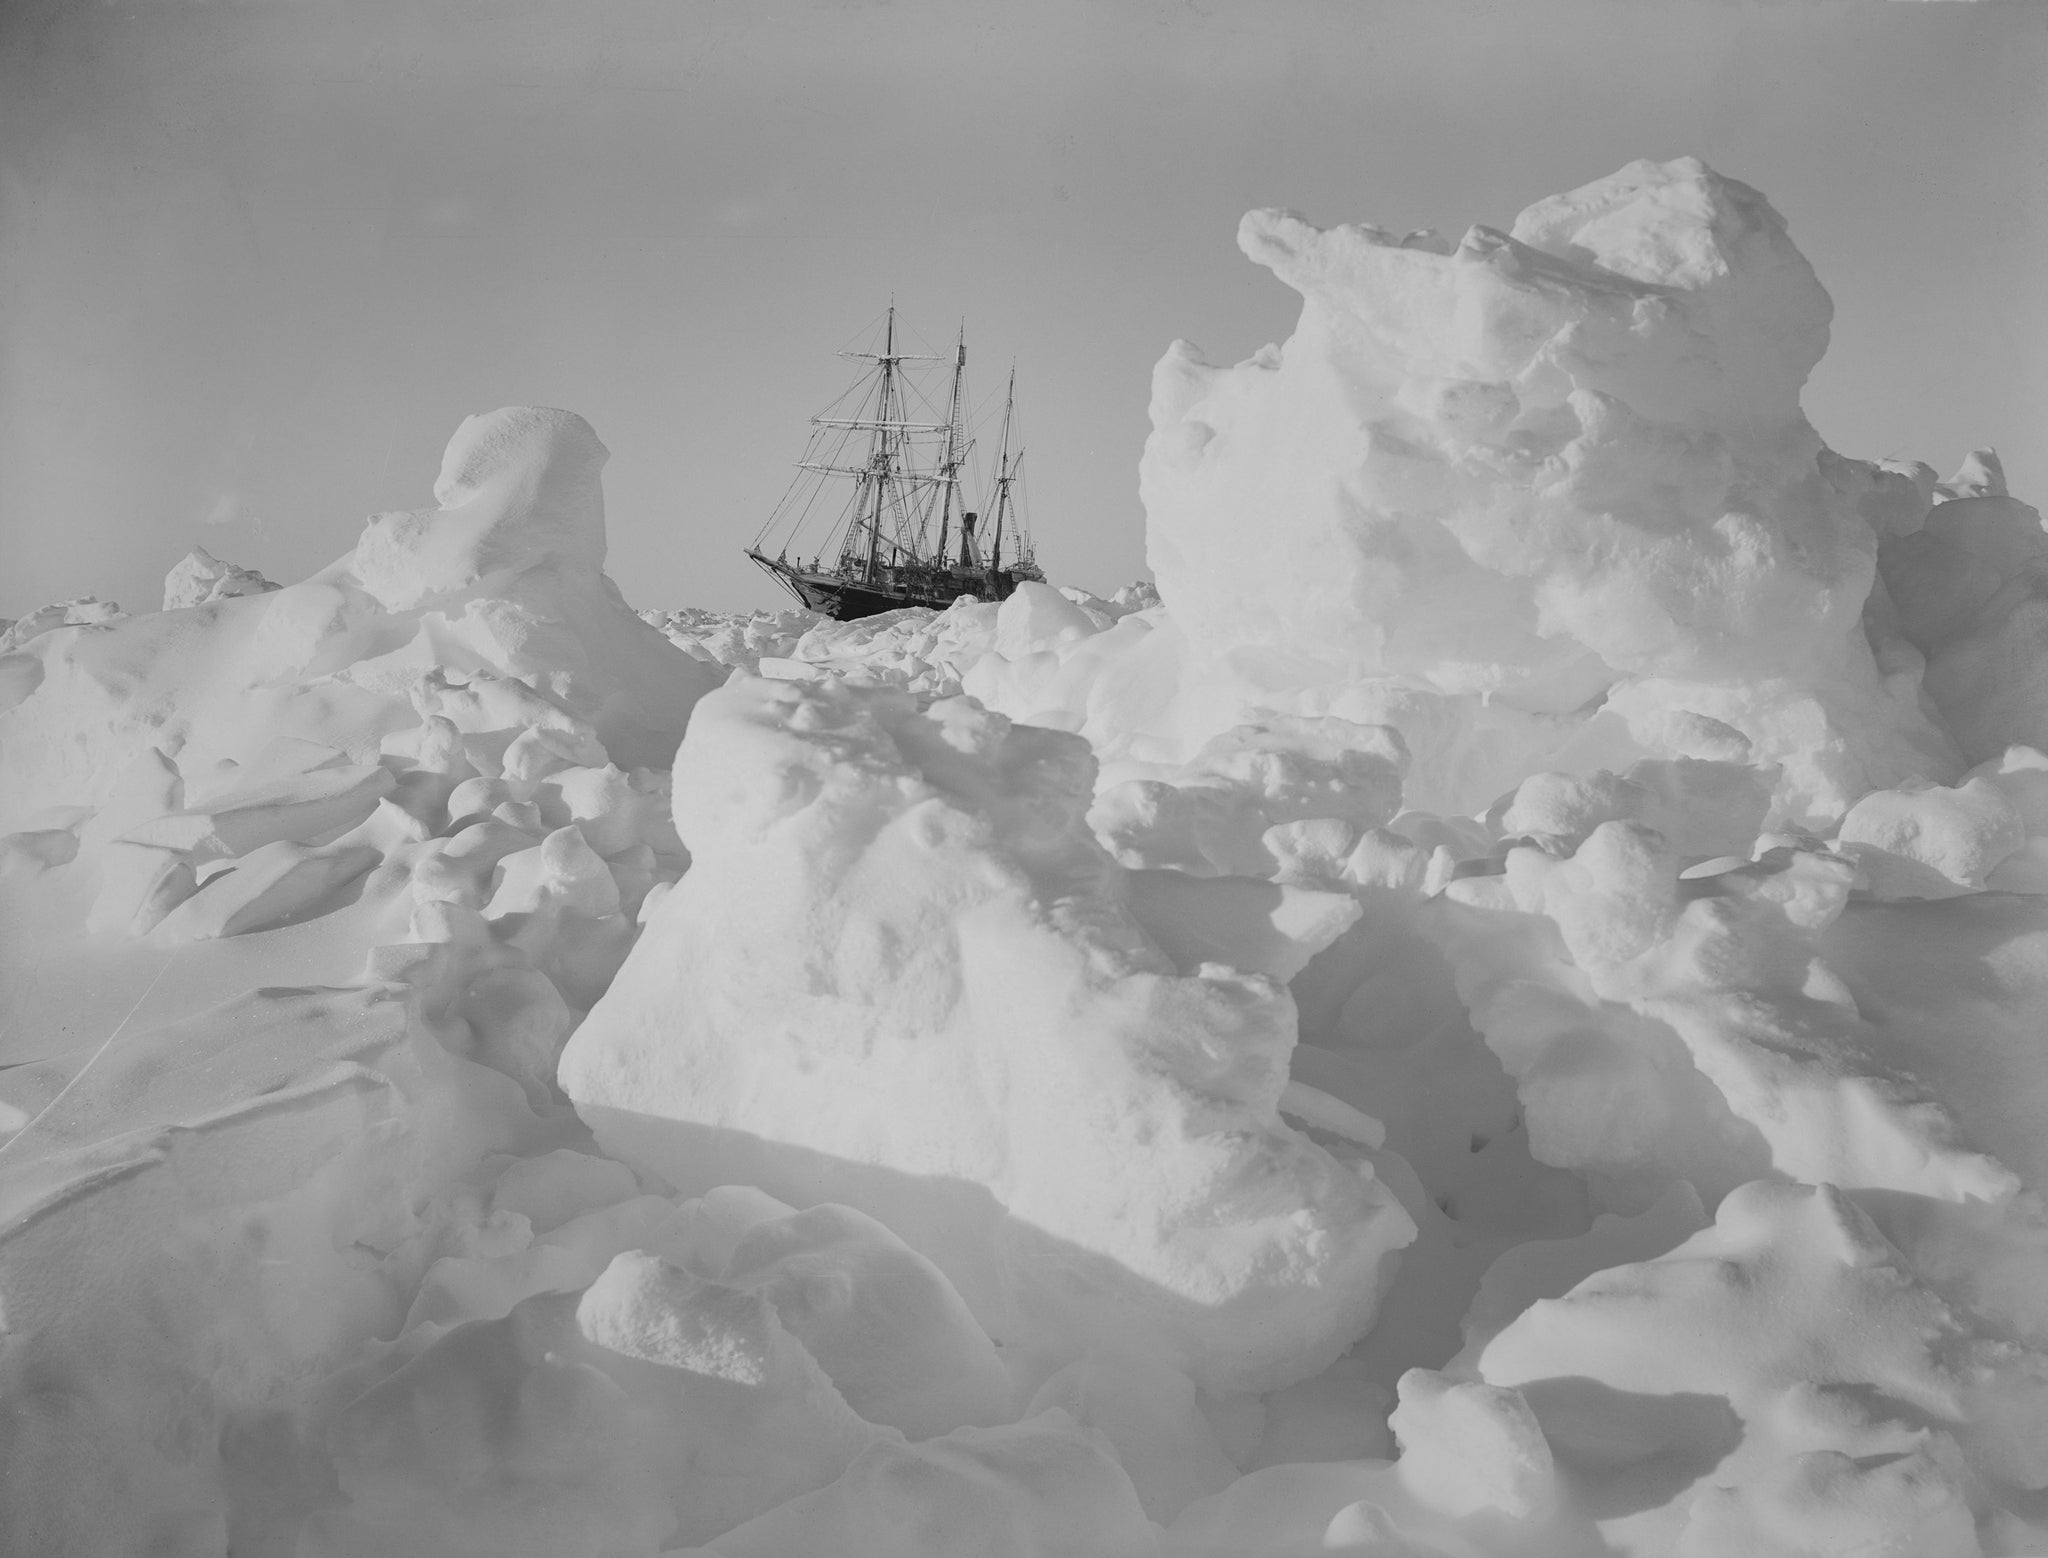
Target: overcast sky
257	260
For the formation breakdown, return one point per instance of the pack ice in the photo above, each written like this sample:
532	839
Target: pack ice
1496	1011
1097	1159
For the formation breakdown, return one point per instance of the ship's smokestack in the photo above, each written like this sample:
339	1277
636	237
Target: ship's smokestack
970	553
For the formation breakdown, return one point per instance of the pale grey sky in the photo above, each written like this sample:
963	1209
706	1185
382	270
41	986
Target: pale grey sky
257	260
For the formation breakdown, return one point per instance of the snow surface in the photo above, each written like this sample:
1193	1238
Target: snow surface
1497	1011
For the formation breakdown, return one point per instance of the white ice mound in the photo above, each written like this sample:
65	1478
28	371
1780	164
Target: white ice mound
1790	1384
86	611
1540	469
492	611
1968	589
1666	1025
901	975
200	577
518	489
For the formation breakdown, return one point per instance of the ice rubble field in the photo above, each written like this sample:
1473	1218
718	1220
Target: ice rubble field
1504	1010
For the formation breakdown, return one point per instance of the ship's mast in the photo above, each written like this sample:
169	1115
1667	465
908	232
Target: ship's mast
879	480
880	453
1004	473
955	450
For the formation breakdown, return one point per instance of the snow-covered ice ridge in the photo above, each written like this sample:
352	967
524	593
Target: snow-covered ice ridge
1498	1012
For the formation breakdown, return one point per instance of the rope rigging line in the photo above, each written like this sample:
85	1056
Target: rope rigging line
908	444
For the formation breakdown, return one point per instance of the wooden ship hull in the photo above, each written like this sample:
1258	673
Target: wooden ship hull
845	599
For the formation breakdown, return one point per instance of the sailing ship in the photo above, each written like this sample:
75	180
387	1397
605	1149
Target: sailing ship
901	533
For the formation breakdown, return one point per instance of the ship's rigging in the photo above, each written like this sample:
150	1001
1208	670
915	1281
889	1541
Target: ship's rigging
902	533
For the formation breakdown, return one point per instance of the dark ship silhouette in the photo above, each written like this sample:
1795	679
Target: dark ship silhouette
903	535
